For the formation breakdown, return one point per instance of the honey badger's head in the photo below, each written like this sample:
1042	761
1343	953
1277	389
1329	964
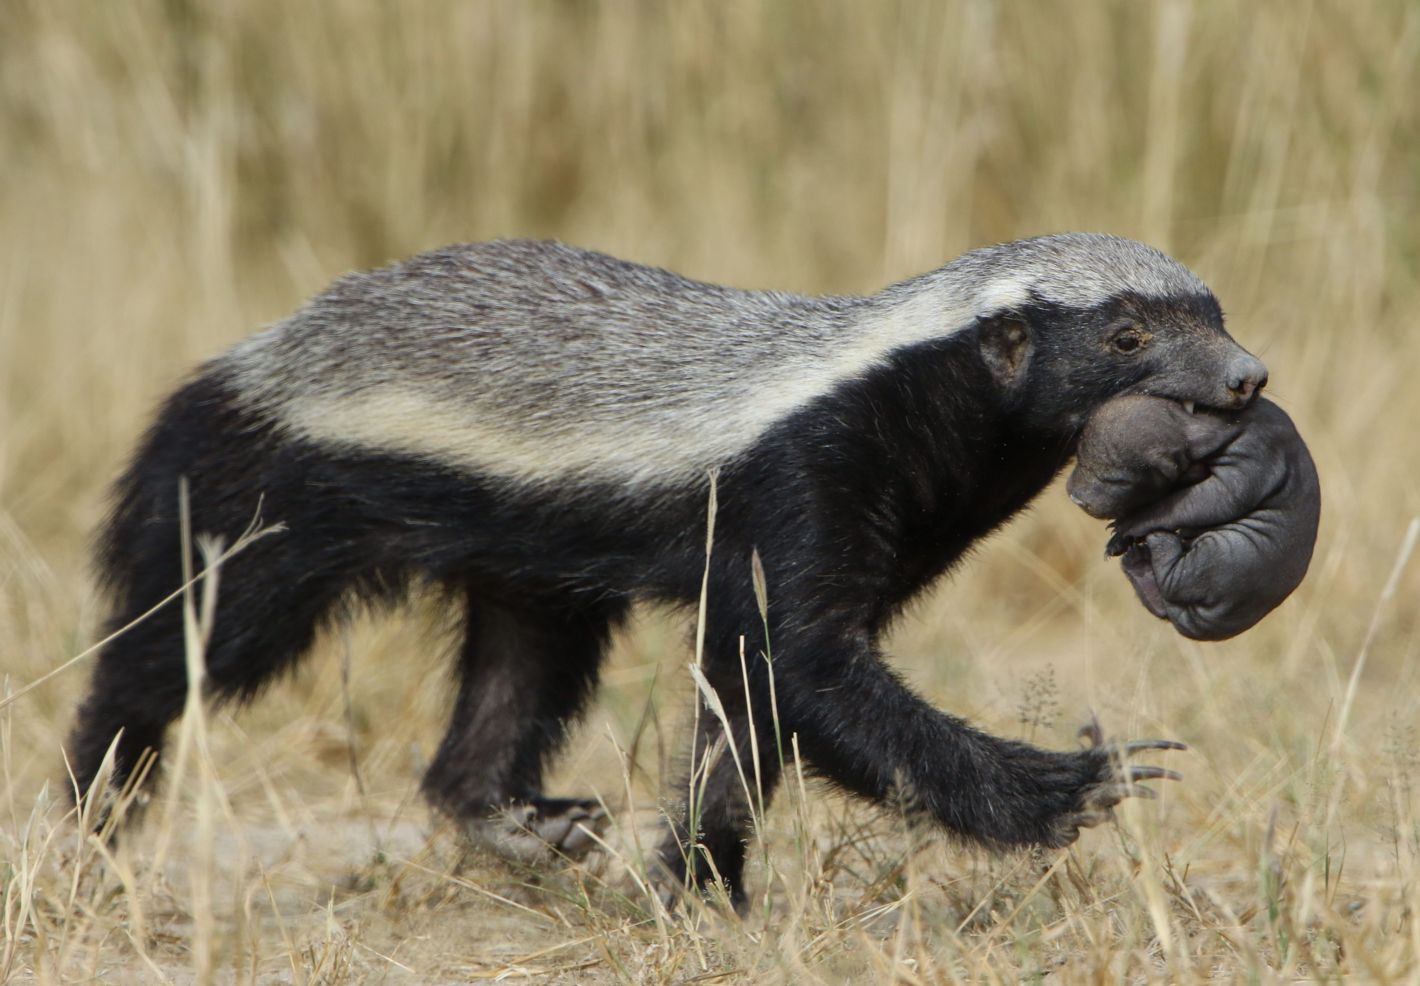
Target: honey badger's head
1075	320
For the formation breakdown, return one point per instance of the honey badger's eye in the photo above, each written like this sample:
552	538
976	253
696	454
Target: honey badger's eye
1128	340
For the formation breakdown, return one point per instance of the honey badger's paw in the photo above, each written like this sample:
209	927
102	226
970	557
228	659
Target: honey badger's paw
1112	779
541	829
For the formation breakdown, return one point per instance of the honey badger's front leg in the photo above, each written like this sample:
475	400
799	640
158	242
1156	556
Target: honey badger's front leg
860	726
738	750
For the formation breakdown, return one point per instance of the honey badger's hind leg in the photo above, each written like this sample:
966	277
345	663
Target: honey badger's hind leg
271	597
264	623
525	673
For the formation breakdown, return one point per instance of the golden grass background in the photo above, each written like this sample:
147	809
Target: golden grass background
174	175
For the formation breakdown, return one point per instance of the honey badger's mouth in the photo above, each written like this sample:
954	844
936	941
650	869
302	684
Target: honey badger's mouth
1196	406
1225	399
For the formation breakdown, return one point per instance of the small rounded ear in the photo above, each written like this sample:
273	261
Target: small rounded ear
1006	348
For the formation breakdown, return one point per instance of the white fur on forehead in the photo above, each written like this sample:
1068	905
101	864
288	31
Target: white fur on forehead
1078	270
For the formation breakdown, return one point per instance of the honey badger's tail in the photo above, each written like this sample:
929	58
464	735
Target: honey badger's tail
272	596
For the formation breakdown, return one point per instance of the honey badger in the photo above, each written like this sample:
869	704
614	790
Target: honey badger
535	427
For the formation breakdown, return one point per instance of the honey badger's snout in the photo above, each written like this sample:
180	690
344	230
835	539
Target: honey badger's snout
1205	370
1245	377
1219	374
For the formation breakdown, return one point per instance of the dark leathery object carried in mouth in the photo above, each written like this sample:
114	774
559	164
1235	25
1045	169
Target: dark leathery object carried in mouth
1215	514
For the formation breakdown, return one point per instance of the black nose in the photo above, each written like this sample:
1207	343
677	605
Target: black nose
1246	377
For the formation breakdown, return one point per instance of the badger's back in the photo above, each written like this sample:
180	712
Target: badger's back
538	361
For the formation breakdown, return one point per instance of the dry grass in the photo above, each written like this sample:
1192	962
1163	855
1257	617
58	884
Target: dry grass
176	174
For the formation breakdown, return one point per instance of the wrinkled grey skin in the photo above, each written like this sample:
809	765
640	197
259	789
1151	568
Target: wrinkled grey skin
1235	535
1136	449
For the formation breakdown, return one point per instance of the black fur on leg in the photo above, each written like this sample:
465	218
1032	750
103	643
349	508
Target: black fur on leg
272	597
857	514
525	673
728	777
424	424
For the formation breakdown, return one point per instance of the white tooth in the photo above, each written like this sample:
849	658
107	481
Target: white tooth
1188	406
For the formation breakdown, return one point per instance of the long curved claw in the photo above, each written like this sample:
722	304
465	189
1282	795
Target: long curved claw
1134	746
1120	780
1109	795
1152	774
1093	733
1110	780
1086	819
